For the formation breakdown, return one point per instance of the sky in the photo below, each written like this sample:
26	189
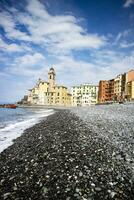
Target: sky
84	40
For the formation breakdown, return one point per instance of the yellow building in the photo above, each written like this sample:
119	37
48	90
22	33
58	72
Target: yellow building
118	87
130	90
48	93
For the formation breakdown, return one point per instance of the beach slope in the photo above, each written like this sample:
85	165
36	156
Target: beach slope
60	158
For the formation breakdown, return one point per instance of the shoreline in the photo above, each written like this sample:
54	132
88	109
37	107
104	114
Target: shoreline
44	106
14	129
61	159
71	107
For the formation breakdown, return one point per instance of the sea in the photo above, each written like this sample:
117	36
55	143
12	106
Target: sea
13	122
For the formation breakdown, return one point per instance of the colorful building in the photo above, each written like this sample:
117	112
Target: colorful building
129	87
48	93
130	90
118	89
106	91
102	93
84	95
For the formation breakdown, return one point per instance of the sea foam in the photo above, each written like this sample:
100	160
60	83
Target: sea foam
13	130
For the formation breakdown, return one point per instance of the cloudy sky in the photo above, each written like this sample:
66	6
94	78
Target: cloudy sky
84	41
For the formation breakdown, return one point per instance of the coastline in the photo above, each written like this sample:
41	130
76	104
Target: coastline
60	158
44	106
16	121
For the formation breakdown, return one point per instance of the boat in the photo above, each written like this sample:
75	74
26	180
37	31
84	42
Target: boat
13	106
10	106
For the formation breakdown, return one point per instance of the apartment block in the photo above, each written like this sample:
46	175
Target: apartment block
130	90
84	95
118	89
106	91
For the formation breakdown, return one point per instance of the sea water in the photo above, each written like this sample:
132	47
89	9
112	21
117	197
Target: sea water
14	121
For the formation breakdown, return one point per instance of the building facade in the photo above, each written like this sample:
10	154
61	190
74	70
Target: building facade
84	95
106	91
48	93
117	89
130	90
102	93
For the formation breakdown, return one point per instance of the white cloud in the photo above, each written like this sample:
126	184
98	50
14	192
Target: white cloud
13	47
8	23
64	32
61	32
126	45
28	65
37	9
118	37
30	60
122	35
76	41
128	3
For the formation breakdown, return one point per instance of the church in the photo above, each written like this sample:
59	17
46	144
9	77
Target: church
48	93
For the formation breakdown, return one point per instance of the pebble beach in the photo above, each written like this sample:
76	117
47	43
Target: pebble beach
65	158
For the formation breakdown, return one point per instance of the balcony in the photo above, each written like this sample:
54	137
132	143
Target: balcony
35	96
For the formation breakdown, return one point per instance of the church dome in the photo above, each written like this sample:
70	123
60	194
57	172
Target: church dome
51	69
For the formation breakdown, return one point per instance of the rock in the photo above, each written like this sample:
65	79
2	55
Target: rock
45	190
6	195
92	184
80	174
97	189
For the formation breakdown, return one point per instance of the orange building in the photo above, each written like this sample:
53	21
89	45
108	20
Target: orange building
117	89
102	91
106	91
130	76
129	87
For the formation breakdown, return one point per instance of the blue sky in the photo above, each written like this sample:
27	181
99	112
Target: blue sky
85	41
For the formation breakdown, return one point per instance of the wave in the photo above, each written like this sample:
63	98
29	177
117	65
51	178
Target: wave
14	130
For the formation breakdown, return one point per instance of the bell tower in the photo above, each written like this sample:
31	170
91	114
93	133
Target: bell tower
51	78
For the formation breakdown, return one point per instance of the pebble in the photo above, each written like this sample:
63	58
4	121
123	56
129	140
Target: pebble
77	190
112	194
92	184
80	174
6	195
98	189
61	159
